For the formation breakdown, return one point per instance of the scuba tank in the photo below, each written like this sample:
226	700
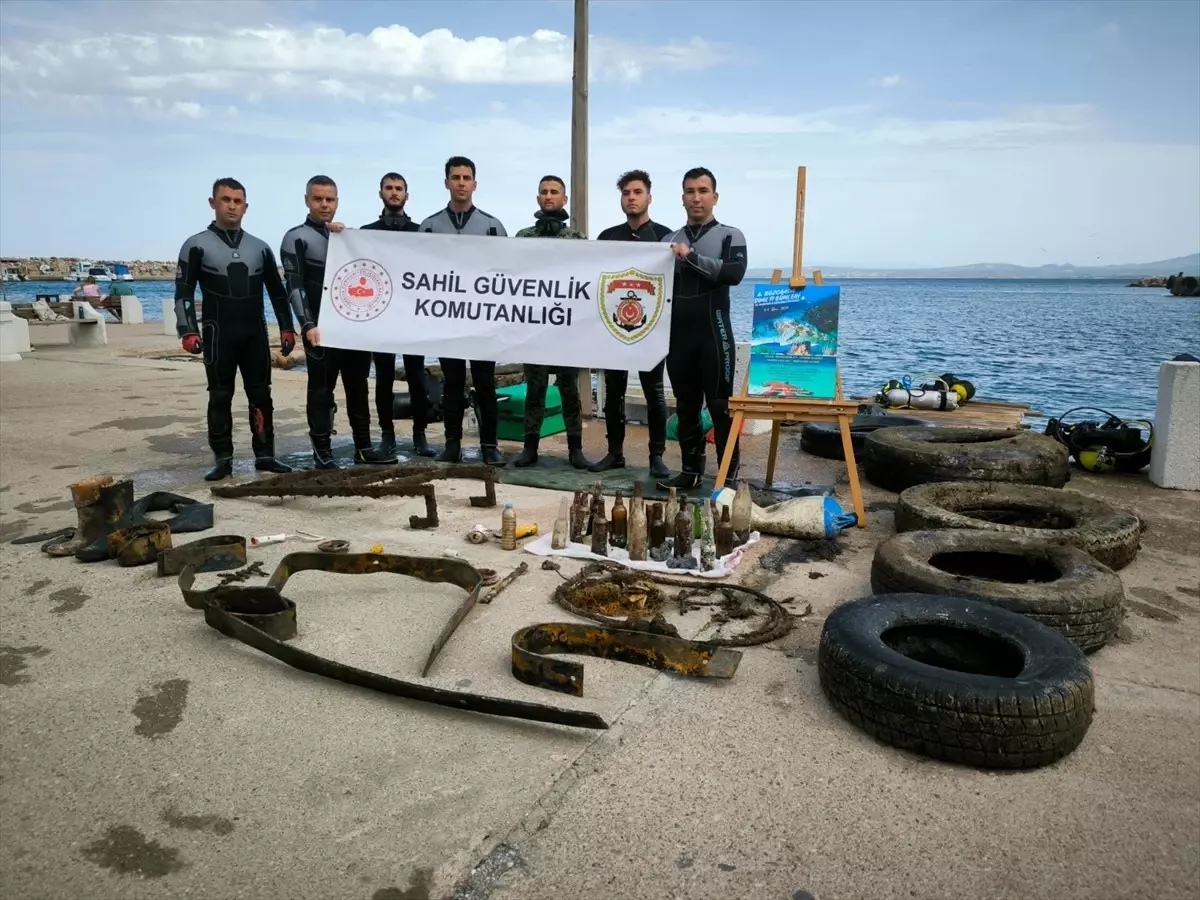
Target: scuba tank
1116	444
944	392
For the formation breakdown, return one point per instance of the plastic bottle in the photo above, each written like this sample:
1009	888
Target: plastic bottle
558	538
618	532
508	528
742	505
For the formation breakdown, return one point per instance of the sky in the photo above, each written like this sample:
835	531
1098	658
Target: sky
933	133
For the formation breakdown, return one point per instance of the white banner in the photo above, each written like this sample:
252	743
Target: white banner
556	302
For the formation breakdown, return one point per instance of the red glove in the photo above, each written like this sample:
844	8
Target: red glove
191	343
287	342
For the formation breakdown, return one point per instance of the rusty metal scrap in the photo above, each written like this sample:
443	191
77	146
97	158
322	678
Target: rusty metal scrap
406	480
778	620
426	568
264	619
700	659
211	554
505	582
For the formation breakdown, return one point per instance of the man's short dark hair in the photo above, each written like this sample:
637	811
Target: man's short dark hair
699	172
631	176
232	183
320	180
555	178
395	176
455	162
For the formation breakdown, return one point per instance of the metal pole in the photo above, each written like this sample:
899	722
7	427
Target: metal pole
579	164
579	122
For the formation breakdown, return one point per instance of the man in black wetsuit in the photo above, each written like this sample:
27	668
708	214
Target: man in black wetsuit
232	269
709	259
393	191
303	252
635	203
461	216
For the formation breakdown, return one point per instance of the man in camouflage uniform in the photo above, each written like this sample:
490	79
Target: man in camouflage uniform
552	222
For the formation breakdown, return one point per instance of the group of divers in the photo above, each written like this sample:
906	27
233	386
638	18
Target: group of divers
233	268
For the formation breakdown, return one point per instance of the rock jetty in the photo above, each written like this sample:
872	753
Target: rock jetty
53	268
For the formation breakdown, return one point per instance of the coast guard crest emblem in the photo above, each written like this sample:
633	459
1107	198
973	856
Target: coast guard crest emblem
630	303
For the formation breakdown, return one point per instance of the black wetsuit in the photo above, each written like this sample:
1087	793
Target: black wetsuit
701	361
454	371
303	251
232	269
385	363
616	381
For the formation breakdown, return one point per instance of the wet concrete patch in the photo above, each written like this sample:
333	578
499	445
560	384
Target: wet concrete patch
882	506
1161	599
44	505
60	468
13	665
38	585
124	850
149	423
786	553
7	487
420	887
10	531
159	713
1189	591
68	600
1151	612
178	444
212	824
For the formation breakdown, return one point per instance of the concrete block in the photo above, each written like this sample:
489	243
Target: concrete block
88	328
131	311
168	309
1175	456
14	334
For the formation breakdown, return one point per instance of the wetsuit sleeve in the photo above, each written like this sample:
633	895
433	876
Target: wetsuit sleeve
293	254
277	292
730	267
187	274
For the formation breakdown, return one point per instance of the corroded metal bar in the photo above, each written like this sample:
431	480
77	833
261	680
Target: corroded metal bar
657	651
262	607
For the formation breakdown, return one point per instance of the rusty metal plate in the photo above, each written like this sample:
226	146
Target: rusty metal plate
262	607
656	651
212	554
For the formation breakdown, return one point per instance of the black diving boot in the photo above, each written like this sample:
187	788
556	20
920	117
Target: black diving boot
575	452
529	455
689	479
492	455
387	443
223	469
323	452
369	456
420	445
658	468
452	453
271	464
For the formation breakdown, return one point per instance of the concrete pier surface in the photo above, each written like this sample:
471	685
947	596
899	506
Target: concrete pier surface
144	755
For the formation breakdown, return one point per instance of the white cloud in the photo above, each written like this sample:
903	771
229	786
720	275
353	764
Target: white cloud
1112	28
255	61
887	81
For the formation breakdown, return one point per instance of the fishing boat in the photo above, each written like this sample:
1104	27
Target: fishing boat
121	272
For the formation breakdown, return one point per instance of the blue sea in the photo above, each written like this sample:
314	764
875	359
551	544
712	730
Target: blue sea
1054	344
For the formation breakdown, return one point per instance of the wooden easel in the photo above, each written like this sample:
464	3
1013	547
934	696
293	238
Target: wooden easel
778	409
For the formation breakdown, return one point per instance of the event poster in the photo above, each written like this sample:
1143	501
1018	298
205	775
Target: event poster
592	304
793	347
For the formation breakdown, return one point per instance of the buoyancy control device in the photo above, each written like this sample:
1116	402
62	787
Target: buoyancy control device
1115	444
